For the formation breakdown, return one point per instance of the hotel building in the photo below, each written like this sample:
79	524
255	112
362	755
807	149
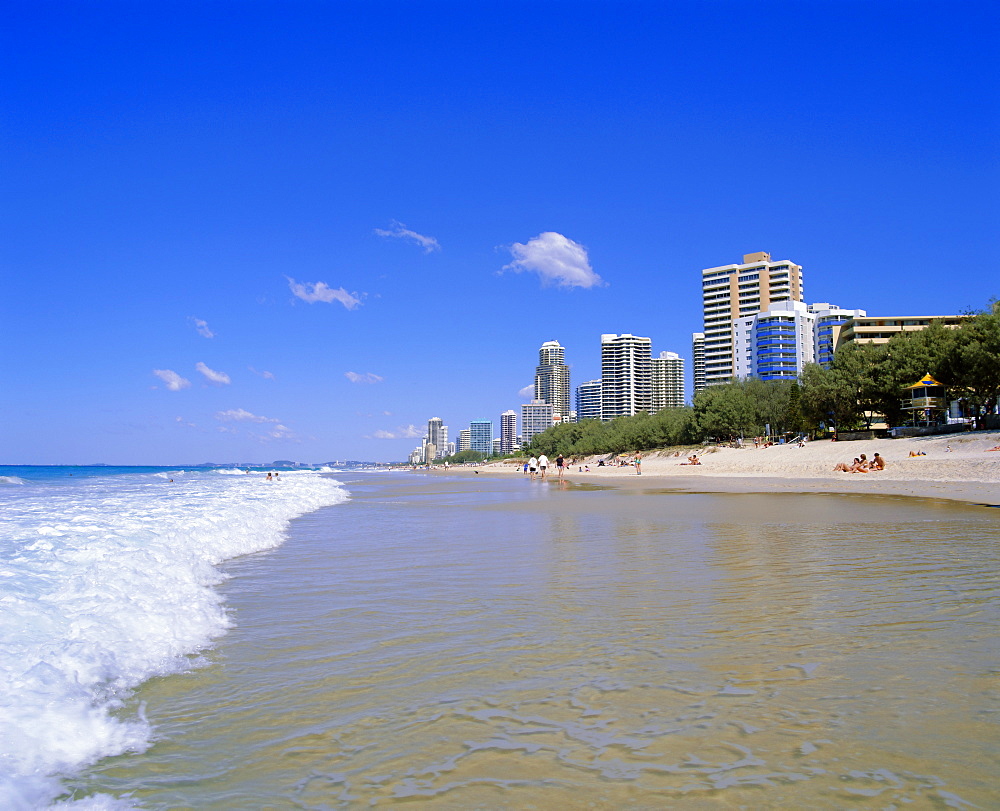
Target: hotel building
698	360
667	381
732	292
552	379
536	417
876	329
508	432
588	400
481	437
775	344
829	318
626	375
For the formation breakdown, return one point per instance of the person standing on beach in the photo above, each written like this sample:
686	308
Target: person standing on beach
543	464
560	465
638	464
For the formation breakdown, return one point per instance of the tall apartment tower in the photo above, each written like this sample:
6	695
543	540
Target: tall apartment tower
698	361
464	440
588	400
536	417
481	437
667	376
775	344
626	375
826	329
552	378
437	435
508	432
731	292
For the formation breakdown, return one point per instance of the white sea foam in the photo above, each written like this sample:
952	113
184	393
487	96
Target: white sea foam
106	584
11	480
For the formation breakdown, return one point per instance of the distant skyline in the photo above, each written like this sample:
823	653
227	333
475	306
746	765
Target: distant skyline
298	231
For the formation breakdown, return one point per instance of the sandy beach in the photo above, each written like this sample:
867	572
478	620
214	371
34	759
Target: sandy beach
956	467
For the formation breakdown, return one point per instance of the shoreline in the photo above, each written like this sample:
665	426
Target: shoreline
953	467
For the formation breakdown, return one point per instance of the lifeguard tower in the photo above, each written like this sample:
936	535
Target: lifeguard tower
926	402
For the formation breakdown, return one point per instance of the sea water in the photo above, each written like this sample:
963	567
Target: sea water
500	643
109	577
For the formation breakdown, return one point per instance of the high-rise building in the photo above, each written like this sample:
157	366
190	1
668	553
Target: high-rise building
777	343
508	432
464	440
829	317
552	378
536	417
626	375
731	292
481	436
698	361
667	381
774	344
588	400
437	436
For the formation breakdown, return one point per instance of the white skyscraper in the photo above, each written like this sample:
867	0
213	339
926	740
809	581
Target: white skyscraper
731	292
698	361
552	378
588	400
508	432
437	436
536	417
626	375
667	381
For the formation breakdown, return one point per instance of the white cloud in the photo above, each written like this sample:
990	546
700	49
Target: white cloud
241	415
527	393
213	376
556	259
173	380
202	328
312	292
368	377
265	375
406	432
280	431
398	230
275	430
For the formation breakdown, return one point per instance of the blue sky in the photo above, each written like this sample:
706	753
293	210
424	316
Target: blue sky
241	231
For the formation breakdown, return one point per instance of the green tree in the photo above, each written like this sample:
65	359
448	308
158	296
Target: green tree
972	365
725	410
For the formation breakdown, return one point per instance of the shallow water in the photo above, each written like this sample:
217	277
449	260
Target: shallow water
506	644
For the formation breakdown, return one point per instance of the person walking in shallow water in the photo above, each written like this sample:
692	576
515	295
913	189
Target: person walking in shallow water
560	465
543	465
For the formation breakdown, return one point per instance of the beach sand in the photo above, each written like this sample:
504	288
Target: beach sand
956	467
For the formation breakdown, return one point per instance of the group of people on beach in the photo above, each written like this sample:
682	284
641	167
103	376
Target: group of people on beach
539	466
861	464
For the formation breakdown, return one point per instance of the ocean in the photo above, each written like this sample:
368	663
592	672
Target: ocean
475	642
111	577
